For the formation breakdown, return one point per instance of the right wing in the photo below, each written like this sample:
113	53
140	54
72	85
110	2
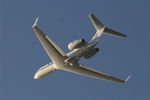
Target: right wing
54	52
86	71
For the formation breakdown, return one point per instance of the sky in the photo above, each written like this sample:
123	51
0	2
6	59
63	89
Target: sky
21	54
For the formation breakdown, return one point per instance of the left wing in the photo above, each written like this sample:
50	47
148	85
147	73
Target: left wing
54	52
86	71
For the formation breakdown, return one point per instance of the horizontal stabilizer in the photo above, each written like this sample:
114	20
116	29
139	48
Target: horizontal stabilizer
100	29
97	24
113	32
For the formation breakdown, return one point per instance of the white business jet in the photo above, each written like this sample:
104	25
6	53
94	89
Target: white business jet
79	48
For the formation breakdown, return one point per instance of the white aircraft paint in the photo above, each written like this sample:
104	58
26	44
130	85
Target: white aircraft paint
69	61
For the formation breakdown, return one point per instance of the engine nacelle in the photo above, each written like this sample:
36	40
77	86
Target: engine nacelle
76	44
91	53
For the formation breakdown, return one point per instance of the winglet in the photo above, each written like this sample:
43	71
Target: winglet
128	78
35	23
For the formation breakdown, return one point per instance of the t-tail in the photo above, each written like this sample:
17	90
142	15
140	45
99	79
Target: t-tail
100	28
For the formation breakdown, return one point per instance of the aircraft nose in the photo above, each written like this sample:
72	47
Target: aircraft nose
36	76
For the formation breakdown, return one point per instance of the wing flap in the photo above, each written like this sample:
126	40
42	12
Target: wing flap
86	71
56	46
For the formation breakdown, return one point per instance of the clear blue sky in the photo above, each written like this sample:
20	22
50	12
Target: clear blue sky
21	54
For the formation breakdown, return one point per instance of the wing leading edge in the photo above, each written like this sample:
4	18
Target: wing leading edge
86	71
